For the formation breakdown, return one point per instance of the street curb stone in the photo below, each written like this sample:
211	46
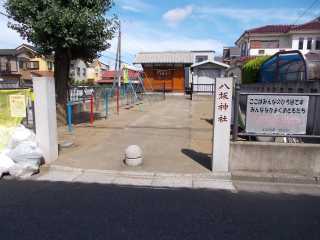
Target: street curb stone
233	176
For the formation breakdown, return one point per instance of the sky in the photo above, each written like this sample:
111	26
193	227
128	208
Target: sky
170	25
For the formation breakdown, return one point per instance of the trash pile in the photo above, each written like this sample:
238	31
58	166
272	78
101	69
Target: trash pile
21	157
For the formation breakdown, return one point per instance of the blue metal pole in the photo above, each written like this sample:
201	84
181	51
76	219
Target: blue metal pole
145	91
111	89
107	106
69	116
135	95
151	87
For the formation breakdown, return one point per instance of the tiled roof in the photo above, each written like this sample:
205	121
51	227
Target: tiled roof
313	25
5	52
271	29
43	73
35	49
164	57
110	74
309	26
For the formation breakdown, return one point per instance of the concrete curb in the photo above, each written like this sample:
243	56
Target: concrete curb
205	176
220	181
233	176
275	177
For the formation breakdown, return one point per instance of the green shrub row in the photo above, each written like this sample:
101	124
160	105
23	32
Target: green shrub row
251	69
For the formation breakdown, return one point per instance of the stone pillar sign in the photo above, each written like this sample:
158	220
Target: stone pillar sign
221	124
46	118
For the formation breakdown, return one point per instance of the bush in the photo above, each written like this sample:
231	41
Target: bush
251	69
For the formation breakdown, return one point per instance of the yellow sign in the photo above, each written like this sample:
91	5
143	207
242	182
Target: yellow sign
17	105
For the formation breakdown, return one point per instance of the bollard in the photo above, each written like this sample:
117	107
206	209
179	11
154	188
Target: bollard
91	98
69	116
107	106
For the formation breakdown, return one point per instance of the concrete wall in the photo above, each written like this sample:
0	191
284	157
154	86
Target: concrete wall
202	97
274	157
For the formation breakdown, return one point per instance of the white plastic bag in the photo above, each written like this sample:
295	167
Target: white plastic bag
5	163
22	135
22	170
25	154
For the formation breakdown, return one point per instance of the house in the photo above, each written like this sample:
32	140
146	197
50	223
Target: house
104	67
94	71
207	71
79	69
15	67
270	39
42	66
171	67
107	78
230	55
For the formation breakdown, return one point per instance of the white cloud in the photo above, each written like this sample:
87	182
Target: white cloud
130	8
177	13
267	16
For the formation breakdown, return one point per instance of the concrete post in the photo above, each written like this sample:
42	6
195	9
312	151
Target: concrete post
45	115
221	124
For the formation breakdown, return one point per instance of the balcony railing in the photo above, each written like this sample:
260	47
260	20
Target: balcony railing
5	68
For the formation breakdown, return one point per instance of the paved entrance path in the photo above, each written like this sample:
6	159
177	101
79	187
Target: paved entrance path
163	136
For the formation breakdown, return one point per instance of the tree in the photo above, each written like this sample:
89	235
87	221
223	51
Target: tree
70	28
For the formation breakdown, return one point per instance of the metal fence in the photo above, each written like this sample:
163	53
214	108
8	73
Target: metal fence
313	122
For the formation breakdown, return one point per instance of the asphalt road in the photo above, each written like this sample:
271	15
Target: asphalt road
32	209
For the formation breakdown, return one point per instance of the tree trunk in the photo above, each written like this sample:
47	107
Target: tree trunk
61	75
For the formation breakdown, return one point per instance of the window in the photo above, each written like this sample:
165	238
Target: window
84	71
270	44
309	43
317	43
49	64
201	58
261	52
78	70
96	70
35	65
255	44
244	49
20	64
300	43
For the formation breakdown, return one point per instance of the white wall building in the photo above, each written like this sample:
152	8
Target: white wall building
270	39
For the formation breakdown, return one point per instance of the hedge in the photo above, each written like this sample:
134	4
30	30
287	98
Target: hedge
251	69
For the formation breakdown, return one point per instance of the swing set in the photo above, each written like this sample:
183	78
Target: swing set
127	80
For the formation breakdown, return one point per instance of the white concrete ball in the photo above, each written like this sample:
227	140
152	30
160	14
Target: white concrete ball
133	151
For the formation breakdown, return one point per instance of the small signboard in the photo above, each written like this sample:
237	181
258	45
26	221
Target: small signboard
17	105
277	114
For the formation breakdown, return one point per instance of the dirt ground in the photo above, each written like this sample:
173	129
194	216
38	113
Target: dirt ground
85	135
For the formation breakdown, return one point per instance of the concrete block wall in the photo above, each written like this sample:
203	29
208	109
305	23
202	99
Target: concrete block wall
274	157
202	97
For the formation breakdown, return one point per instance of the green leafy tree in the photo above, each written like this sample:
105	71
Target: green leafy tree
251	69
70	28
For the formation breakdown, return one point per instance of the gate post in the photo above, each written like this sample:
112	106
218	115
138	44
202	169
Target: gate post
46	117
221	124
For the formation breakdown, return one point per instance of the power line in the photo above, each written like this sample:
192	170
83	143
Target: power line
137	33
293	24
132	42
125	52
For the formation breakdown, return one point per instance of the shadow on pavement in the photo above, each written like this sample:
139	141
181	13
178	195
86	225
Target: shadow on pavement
200	158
